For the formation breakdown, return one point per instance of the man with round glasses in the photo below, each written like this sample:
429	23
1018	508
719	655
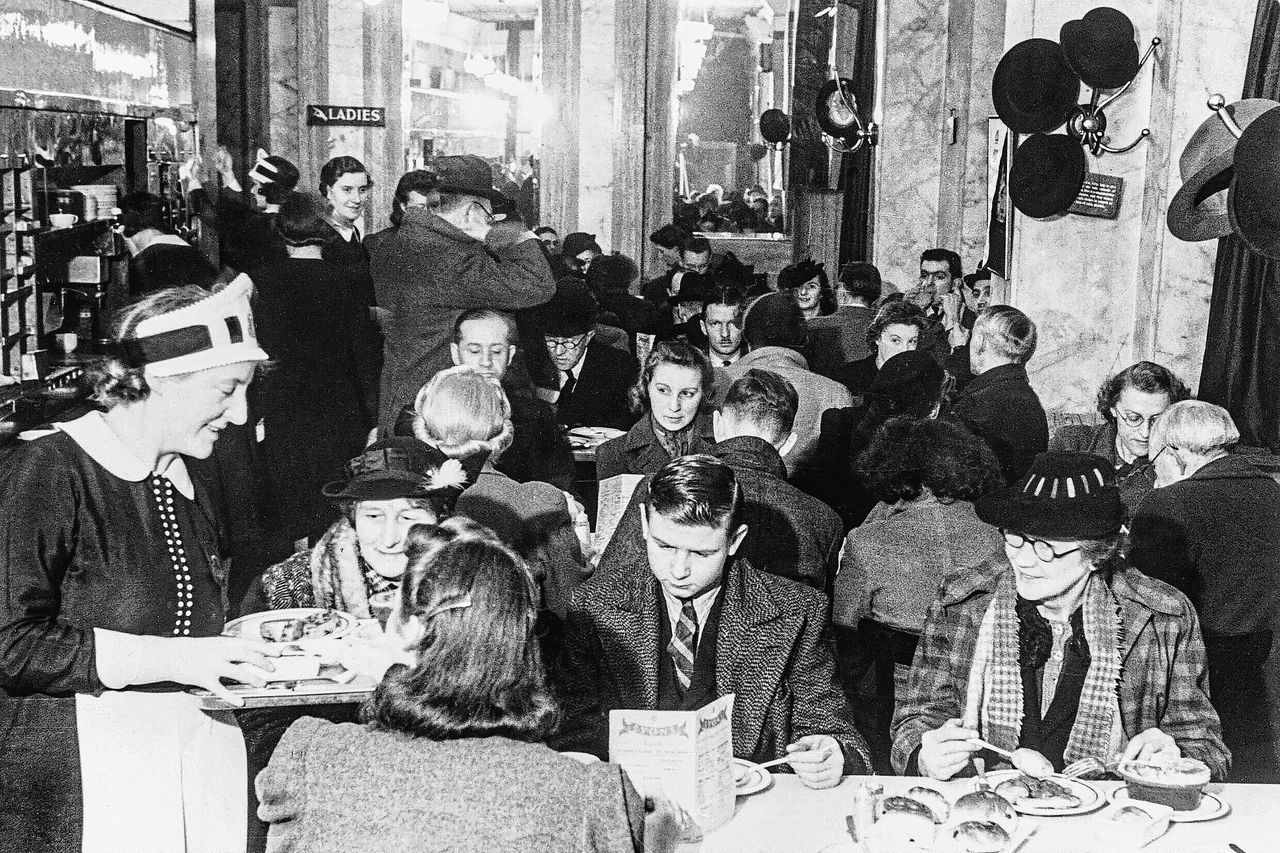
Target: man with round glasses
1027	649
589	380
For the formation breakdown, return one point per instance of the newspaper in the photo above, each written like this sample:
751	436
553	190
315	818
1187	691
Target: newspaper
615	494
687	755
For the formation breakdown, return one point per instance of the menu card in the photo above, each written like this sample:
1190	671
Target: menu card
611	502
687	755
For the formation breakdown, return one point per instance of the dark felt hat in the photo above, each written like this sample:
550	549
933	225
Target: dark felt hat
1047	173
694	287
578	242
466	174
1100	48
1252	198
774	320
911	381
571	312
1065	496
402	467
1033	88
1198	210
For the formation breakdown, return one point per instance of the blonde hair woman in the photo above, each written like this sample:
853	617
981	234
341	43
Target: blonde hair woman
467	417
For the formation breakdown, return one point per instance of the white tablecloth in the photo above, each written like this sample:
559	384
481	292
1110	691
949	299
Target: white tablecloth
790	818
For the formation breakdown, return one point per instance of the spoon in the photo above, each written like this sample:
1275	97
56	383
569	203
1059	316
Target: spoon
1027	761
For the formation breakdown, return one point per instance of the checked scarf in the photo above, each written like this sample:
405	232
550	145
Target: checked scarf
994	698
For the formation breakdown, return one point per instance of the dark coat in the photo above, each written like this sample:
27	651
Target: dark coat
600	394
634	315
434	272
1135	481
638	452
772	652
789	533
247	234
169	264
1216	537
352	257
1002	408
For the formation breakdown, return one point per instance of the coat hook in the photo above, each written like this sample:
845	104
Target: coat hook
1218	104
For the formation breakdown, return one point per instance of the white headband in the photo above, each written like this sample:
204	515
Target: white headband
214	332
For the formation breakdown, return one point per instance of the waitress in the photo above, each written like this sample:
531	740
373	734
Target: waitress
111	598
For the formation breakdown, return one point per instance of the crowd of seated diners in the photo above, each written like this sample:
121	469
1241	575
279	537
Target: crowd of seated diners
850	514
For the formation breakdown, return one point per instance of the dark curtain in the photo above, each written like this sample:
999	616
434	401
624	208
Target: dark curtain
1242	354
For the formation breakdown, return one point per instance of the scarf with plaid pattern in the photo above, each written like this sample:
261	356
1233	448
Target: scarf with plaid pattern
339	577
993	703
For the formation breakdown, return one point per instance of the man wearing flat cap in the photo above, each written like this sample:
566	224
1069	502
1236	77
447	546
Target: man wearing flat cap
588	379
1057	644
442	261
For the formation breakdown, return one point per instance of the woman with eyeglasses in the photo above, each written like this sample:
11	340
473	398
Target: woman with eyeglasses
1057	644
1129	402
451	752
673	396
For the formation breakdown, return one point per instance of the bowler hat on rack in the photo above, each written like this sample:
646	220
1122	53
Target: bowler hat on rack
1198	210
1065	496
1033	89
1252	197
1047	173
466	174
1100	48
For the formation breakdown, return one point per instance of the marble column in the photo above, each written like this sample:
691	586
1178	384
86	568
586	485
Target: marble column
596	119
561	37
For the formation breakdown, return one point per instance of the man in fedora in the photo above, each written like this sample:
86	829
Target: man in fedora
442	261
1028	649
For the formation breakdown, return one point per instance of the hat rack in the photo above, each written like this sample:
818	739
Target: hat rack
1218	104
1088	124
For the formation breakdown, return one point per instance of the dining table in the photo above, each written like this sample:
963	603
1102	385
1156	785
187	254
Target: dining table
787	817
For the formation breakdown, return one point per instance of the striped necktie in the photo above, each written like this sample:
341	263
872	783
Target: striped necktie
684	643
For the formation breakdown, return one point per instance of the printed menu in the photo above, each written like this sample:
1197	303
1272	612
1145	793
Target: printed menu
687	755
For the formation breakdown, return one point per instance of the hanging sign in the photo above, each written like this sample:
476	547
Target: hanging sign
328	114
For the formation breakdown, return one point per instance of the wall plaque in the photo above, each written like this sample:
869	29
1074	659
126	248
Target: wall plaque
329	114
1100	196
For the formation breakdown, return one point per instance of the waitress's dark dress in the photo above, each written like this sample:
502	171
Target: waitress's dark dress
85	544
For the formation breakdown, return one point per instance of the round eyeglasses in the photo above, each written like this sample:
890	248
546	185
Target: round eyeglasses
564	344
1043	550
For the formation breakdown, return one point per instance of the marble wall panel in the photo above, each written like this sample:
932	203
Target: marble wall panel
596	124
908	170
983	54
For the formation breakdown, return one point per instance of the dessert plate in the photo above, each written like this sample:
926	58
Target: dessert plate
1211	807
749	777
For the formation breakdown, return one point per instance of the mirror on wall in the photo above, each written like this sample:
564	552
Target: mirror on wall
474	88
732	67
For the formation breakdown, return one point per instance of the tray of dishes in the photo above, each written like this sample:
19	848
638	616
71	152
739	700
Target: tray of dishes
584	437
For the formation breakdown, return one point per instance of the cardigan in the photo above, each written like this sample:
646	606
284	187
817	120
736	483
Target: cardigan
341	787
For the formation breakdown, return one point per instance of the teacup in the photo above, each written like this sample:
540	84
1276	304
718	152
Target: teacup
63	220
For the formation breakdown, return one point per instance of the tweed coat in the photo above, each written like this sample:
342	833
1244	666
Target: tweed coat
342	787
1164	683
789	533
772	649
639	452
428	273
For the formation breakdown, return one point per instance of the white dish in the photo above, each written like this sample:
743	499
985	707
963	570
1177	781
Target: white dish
749	777
1211	806
581	757
1090	797
592	436
247	627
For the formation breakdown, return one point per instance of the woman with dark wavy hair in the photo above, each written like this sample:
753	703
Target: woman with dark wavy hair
674	396
1129	403
927	473
451	753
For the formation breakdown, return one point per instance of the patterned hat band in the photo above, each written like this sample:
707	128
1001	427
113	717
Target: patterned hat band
1068	488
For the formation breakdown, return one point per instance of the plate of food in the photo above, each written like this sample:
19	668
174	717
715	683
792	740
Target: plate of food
585	436
749	777
1055	796
294	626
925	818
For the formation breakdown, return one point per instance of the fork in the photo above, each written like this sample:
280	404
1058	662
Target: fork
1089	766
